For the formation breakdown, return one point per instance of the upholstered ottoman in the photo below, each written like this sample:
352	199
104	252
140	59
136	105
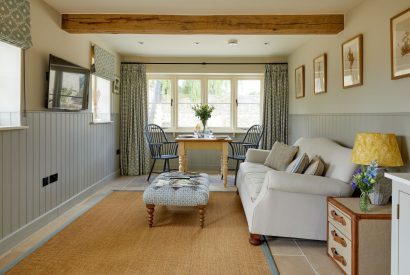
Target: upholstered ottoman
196	195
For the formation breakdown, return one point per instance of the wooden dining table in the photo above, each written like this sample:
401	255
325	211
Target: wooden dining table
185	144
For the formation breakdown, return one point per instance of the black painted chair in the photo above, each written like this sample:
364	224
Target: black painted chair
239	148
160	147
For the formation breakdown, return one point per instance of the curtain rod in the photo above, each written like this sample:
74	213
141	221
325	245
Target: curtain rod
198	63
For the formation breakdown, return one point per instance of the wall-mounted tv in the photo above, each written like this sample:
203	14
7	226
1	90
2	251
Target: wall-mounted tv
67	85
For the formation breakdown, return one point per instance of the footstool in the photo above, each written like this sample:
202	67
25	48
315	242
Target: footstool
197	195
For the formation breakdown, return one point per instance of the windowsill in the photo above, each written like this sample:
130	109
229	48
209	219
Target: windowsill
238	131
102	122
10	128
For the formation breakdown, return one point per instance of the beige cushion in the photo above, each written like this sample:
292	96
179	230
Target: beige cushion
316	167
298	165
280	156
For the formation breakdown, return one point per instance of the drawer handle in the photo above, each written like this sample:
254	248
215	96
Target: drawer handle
338	239
338	218
338	257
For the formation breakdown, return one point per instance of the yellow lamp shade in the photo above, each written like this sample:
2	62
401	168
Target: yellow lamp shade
382	148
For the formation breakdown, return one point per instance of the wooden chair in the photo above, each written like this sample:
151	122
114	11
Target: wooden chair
239	148
160	147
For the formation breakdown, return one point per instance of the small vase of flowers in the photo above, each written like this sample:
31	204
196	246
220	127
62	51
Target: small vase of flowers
365	179
203	112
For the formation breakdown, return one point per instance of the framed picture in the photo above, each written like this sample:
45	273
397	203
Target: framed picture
352	62
320	74
300	81
116	89
400	45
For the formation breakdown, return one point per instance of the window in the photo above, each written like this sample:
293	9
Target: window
189	94
248	102
219	96
101	99
10	85
236	98
159	102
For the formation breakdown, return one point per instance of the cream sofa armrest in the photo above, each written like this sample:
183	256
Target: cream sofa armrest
256	155
307	184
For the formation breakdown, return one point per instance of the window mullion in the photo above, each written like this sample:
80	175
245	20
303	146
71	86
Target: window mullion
234	98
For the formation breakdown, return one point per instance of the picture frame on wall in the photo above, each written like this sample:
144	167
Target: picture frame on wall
400	45
116	84
352	62
320	74
300	81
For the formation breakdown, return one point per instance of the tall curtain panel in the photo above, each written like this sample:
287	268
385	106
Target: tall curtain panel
15	23
275	105
134	150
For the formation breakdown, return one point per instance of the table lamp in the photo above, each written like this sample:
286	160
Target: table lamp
382	148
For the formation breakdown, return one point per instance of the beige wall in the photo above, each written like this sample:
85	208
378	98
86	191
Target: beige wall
48	38
379	94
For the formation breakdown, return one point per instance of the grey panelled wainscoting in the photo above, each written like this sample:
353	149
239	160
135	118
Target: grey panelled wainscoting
83	155
343	128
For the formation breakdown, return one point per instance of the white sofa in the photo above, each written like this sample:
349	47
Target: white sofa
278	203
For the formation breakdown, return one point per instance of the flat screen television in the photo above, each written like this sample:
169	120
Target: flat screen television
68	85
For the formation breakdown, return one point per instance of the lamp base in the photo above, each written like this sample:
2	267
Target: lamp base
382	190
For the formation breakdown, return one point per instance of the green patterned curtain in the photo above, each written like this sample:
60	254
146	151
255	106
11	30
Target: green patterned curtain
104	63
275	105
15	23
133	147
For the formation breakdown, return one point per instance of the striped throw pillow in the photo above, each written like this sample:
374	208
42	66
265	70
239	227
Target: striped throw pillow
299	164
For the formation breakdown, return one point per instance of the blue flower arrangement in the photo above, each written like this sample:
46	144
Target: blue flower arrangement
365	178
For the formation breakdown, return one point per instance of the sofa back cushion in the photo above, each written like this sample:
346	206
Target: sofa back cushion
280	156
338	159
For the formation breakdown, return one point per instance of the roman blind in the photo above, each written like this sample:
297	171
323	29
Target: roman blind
15	23
103	63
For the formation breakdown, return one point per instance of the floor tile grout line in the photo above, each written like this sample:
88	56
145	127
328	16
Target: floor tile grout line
307	259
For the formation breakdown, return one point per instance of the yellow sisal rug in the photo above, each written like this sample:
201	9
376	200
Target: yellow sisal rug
113	238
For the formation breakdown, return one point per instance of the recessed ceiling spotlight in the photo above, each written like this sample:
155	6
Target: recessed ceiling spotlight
196	43
140	43
232	42
266	43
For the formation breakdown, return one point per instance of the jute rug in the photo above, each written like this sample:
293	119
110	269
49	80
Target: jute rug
113	238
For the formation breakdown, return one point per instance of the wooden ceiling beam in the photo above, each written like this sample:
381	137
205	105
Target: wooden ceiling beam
202	24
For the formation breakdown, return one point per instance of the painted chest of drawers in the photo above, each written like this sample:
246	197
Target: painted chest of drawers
359	242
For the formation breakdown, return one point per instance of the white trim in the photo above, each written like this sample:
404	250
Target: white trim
204	77
10	128
102	122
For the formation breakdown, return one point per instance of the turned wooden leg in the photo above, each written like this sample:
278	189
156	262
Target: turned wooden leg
254	239
202	212
150	210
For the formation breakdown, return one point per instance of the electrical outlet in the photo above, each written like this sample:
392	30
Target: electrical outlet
54	178
45	181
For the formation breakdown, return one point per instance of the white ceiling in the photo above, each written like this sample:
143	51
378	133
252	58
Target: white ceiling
210	45
204	6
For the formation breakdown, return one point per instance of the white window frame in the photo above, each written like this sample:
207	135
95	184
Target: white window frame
19	125
93	87
204	97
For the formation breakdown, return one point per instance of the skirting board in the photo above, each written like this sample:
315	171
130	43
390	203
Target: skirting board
16	237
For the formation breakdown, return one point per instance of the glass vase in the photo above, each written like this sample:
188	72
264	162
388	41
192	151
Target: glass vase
364	202
204	127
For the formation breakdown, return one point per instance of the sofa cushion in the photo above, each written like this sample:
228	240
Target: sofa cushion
316	167
337	159
298	165
280	156
253	175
